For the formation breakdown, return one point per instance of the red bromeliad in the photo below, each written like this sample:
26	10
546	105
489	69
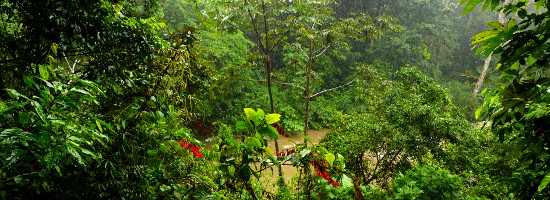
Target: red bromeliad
280	130
193	147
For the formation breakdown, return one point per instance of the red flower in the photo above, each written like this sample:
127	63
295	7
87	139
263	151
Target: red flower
279	130
194	148
321	166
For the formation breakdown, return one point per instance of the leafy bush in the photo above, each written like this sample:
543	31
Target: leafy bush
405	121
428	182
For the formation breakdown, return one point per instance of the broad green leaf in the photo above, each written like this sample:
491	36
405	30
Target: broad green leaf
478	113
13	93
511	23
232	141
496	25
43	72
270	131
272	118
485	35
152	152
88	152
249	112
39	110
260	114
51	71
76	155
329	157
268	150
28	80
471	5
164	148
253	142
241	125
346	181
544	182
90	84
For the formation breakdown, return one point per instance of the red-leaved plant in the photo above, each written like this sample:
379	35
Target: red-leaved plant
193	147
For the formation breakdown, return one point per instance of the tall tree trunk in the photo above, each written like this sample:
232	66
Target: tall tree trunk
482	76
308	88
269	66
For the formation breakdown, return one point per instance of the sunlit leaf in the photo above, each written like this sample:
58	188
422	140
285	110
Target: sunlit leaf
329	157
544	182
305	152
43	72
152	152
98	125
272	118
249	112
470	5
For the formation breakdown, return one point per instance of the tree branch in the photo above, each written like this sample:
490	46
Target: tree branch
322	51
334	88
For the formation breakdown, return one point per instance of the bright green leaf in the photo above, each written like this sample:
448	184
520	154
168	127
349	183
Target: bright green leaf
260	114
471	5
164	148
249	112
241	125
544	182
43	70
329	157
152	152
496	25
270	131
272	118
98	126
346	181
478	113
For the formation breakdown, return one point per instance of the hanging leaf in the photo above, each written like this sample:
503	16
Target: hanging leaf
98	126
253	142
270	131
43	70
471	5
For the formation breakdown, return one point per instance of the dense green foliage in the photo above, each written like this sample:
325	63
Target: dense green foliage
144	99
518	106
